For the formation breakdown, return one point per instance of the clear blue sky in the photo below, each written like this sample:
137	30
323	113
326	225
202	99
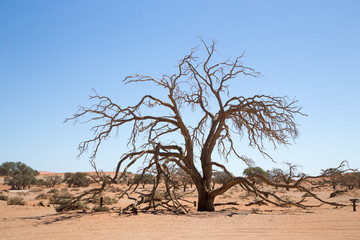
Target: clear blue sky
52	53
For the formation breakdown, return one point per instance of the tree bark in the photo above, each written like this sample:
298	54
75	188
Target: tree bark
205	202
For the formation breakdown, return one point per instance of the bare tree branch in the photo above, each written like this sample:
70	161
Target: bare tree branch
201	85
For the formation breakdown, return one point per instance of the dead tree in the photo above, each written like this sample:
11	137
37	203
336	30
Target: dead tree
202	85
299	183
291	173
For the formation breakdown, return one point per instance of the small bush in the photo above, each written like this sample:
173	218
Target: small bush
109	201
58	198
4	197
41	196
159	196
67	204
53	191
16	201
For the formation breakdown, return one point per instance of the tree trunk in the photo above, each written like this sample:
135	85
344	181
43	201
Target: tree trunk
205	202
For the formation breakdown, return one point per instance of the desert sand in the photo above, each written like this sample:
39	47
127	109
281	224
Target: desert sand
228	222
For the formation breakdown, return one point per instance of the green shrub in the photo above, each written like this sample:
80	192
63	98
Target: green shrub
4	197
51	181
64	190
159	196
19	175
77	179
255	170
143	179
40	182
68	204
220	177
53	191
58	198
16	201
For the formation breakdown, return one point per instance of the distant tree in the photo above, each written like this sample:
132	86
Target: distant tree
333	175
51	181
182	178
18	174
350	180
220	177
78	179
276	175
128	179
250	171
143	179
40	182
291	173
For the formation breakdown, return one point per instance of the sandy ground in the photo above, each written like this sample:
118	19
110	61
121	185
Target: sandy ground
326	222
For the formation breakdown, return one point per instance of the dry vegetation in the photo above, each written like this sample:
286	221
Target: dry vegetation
237	214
